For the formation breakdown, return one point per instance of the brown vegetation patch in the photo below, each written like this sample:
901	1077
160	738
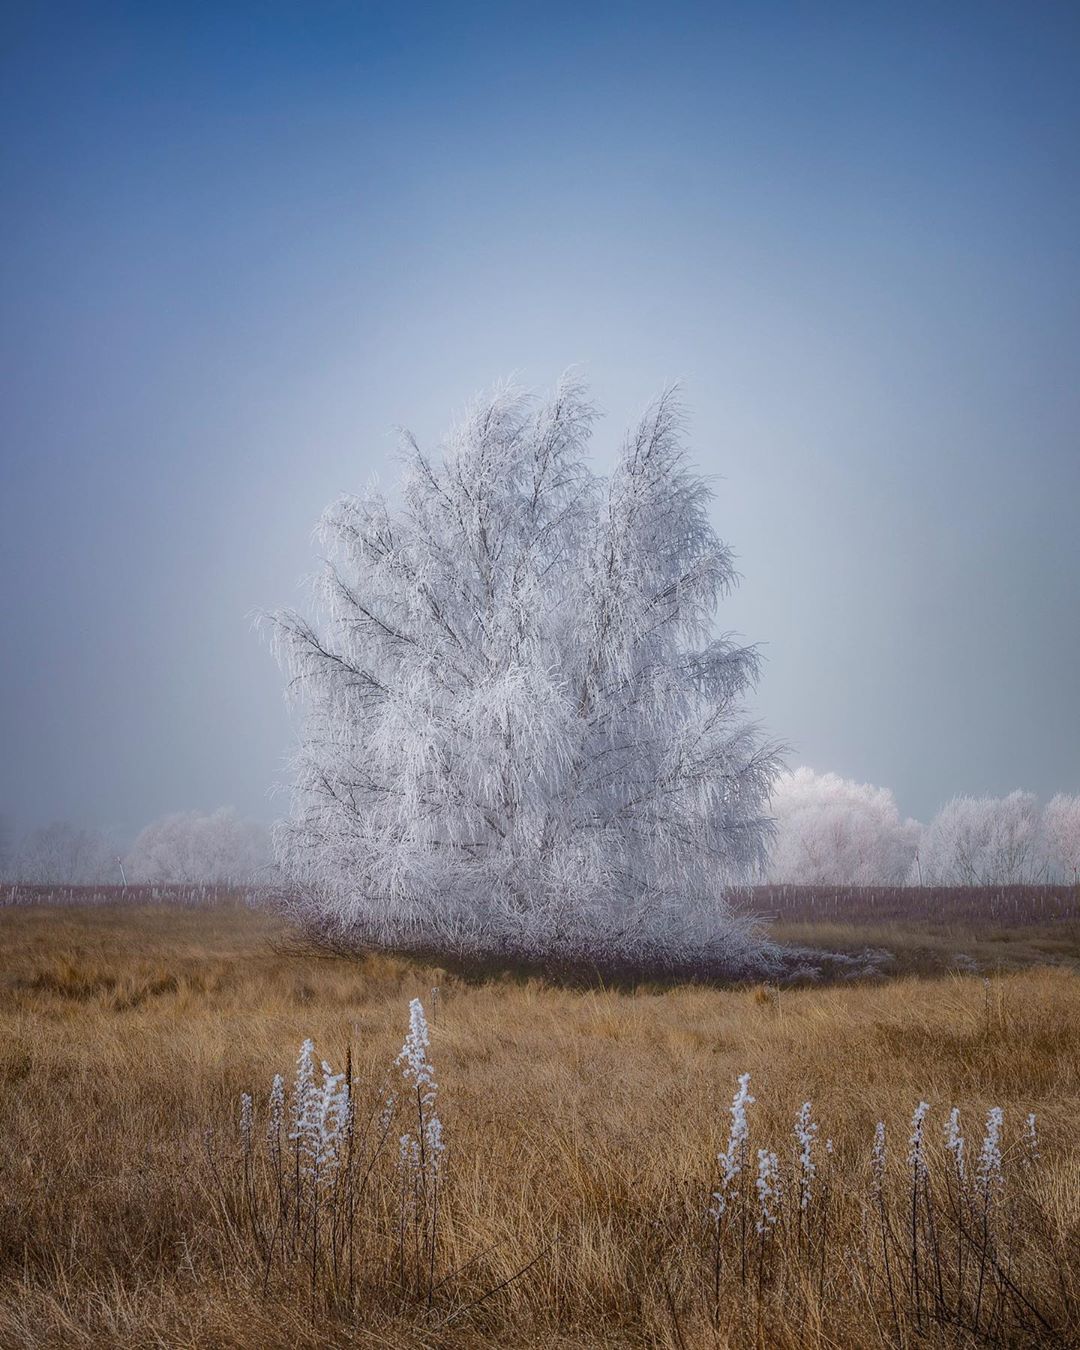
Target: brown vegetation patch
583	1127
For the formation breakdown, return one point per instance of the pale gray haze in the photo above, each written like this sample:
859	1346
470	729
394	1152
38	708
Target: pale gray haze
242	242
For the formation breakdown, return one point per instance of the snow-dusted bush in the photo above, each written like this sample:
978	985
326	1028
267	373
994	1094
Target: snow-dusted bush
315	1186
519	732
62	854
1061	837
983	841
192	847
833	831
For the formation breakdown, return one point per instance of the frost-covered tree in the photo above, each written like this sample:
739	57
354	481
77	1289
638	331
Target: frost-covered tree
1061	837
62	854
833	831
518	730
983	841
190	846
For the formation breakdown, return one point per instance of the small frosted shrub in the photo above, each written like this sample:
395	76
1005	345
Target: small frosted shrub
318	1164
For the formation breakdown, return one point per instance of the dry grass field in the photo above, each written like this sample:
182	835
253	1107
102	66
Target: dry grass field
582	1130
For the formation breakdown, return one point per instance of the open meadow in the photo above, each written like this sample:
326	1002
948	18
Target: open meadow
142	1205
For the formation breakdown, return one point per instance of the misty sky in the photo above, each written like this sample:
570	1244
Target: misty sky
242	242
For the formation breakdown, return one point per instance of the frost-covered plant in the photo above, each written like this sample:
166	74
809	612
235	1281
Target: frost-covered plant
416	1068
246	1122
733	1158
932	1248
805	1134
988	1172
419	1074
988	1181
386	1115
916	1147
315	1207
878	1159
1031	1139
767	1185
954	1143
420	1149
275	1114
324	1125
519	729
919	1179
303	1089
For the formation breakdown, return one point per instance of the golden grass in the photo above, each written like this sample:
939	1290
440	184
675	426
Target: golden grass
583	1128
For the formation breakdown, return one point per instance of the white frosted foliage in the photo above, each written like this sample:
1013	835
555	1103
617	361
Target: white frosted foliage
1061	837
983	841
520	731
833	831
190	846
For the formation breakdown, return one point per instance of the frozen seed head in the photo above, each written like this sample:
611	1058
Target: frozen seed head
916	1154
331	1117
989	1169
420	1150
954	1141
740	1130
1031	1138
416	1068
275	1115
877	1159
433	1137
246	1120
731	1160
303	1087
408	1154
767	1185
323	1124
805	1132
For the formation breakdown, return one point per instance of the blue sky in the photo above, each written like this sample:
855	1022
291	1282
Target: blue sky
241	243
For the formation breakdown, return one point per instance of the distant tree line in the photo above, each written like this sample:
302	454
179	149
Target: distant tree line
828	831
218	847
833	831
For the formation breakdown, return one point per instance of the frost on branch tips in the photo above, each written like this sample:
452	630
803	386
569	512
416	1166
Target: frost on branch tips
519	732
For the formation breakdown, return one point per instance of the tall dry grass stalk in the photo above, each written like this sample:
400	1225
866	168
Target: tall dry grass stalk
568	1195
